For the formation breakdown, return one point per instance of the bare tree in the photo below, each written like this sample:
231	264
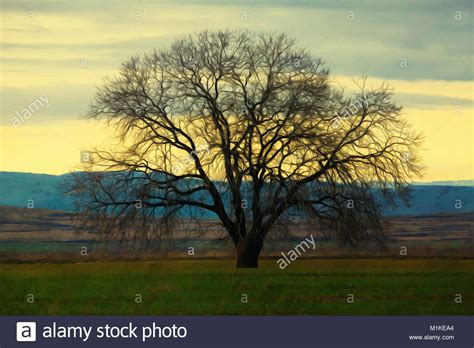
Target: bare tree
248	127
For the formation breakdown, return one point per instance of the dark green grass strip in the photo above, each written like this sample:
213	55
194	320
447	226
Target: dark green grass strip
213	287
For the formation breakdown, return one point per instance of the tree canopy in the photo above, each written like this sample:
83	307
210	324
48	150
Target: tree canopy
221	118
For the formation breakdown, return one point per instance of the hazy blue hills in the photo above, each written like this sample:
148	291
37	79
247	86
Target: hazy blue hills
16	189
46	191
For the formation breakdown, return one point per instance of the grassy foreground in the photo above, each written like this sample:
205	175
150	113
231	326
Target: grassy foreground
215	287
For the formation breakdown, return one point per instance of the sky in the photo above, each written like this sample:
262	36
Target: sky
55	53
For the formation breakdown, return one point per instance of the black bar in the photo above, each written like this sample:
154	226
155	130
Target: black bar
243	331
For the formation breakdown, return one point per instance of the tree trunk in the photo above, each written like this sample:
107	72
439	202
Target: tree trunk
248	251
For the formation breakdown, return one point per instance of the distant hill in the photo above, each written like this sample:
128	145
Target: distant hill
448	183
46	192
16	189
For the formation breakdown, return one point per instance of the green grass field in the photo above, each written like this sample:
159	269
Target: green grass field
215	287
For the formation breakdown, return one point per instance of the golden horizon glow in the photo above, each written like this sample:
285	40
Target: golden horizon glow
55	148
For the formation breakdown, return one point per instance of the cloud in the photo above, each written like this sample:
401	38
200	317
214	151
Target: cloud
372	41
65	103
431	101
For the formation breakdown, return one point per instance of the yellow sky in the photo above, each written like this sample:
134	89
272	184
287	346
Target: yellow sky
64	52
55	147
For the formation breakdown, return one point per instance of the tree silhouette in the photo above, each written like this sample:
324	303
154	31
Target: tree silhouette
249	127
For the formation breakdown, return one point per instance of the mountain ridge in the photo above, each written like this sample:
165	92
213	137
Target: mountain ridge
44	191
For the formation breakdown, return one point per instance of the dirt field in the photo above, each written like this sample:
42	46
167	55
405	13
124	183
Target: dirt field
46	235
